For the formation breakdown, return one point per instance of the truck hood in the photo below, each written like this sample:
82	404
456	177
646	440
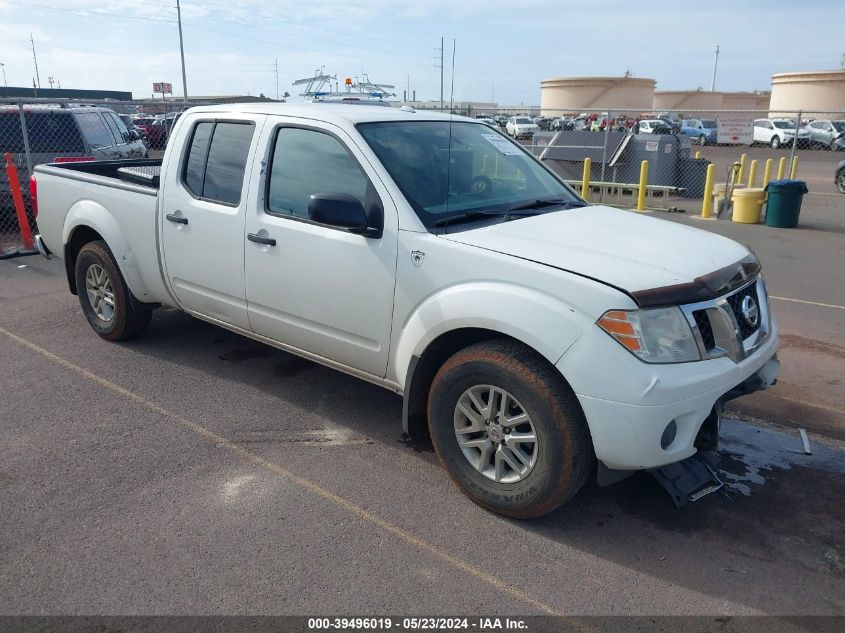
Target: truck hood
632	252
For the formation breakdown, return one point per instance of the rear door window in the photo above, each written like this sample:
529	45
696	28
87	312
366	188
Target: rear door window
216	161
49	132
94	129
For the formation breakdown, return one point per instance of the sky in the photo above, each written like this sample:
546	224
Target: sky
503	48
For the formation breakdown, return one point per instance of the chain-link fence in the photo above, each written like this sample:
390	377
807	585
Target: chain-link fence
661	159
656	159
38	131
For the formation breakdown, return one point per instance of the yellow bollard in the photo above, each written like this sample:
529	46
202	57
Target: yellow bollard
781	167
752	173
643	184
742	160
707	204
698	155
585	179
767	172
794	171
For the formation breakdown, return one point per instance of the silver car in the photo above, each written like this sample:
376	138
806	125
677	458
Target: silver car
827	134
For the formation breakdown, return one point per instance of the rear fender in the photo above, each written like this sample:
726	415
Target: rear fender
87	213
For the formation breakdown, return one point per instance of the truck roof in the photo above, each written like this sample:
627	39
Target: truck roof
334	112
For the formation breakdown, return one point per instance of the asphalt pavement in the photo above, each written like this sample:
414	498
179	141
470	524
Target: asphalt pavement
193	471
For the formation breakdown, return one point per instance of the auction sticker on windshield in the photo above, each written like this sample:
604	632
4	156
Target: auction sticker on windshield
502	144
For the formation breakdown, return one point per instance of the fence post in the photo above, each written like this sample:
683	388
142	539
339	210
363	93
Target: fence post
767	172
707	204
643	184
794	173
752	173
792	156
742	160
585	179
781	167
604	155
25	133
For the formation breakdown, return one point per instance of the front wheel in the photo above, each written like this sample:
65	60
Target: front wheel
775	142
104	296
702	140
840	180
508	429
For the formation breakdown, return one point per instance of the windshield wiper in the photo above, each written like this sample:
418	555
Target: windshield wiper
469	215
544	203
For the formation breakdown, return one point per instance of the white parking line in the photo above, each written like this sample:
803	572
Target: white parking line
812	303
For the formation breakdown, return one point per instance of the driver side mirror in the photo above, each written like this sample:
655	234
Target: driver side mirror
341	210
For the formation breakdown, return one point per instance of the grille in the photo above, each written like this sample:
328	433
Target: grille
735	301
704	328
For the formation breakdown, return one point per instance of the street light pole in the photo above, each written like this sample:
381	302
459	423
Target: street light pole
182	52
715	65
3	68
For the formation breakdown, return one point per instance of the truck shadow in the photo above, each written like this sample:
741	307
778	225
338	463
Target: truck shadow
780	515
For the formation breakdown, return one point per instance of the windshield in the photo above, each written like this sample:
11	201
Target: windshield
784	125
480	170
839	125
522	120
710	125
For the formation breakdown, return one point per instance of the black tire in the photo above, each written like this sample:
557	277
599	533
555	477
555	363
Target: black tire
702	140
564	454
125	322
775	143
840	180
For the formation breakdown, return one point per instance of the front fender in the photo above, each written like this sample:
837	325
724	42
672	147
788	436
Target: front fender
541	321
88	213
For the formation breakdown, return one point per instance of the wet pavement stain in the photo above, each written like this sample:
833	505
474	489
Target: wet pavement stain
291	367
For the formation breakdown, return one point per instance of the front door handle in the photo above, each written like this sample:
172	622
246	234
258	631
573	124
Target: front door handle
258	239
178	219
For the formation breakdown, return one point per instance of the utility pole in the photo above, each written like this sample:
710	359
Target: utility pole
182	52
715	65
50	81
5	83
441	73
35	59
452	89
276	69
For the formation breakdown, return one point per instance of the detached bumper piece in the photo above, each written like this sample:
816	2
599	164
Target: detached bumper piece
688	480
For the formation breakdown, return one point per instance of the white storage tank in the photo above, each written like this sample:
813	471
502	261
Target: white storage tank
573	95
817	91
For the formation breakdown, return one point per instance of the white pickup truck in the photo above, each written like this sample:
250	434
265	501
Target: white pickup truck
539	339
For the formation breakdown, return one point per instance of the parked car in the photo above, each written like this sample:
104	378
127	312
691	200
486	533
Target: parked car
779	132
542	122
840	177
826	133
153	138
703	131
492	123
61	134
501	119
521	127
655	126
538	339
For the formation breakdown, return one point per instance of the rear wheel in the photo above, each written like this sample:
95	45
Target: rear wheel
840	180
104	296
508	429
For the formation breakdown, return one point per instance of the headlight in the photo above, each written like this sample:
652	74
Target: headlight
659	335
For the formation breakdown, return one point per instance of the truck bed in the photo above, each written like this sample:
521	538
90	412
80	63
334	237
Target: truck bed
145	171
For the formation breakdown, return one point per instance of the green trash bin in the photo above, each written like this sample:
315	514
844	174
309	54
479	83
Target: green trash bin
784	202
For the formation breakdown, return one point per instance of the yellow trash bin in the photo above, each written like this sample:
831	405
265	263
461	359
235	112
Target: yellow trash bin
748	205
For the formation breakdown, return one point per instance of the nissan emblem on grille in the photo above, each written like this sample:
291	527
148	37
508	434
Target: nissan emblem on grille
750	311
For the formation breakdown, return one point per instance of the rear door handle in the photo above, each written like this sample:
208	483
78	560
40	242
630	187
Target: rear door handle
258	239
178	219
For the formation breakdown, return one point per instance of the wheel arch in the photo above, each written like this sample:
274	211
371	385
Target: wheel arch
89	221
423	367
